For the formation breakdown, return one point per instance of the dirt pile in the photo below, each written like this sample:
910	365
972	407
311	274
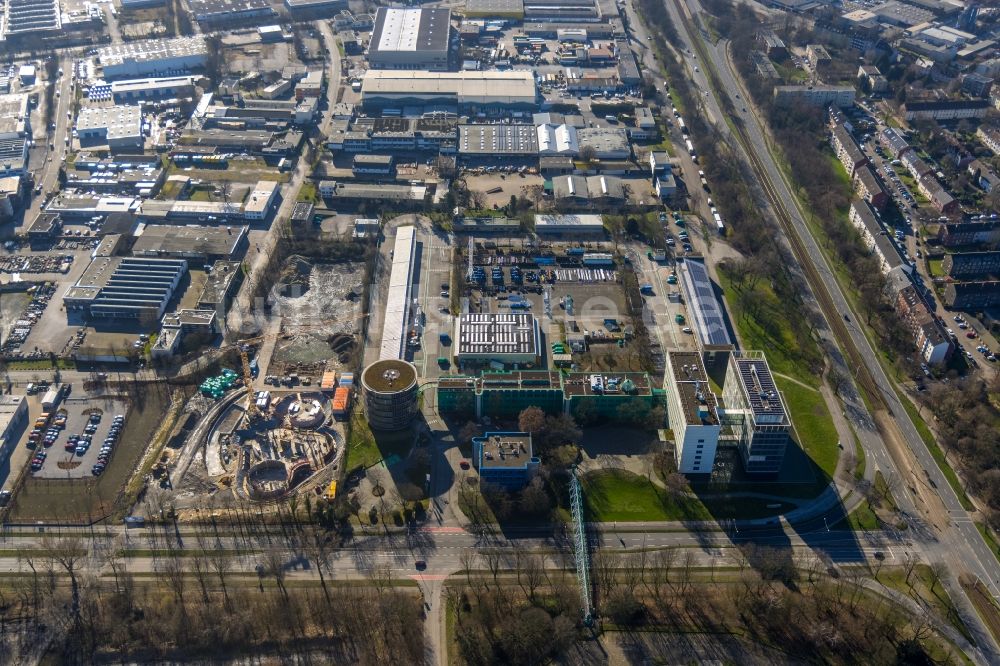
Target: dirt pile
294	279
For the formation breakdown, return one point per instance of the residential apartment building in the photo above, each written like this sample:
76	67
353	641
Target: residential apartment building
869	187
818	55
870	77
930	340
814	95
990	137
847	149
939	197
983	176
972	295
893	142
957	234
917	167
874	237
946	109
971	265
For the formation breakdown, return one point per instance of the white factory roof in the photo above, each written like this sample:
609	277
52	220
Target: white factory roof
557	140
514	85
397	302
119	121
560	223
411	29
151	49
261	196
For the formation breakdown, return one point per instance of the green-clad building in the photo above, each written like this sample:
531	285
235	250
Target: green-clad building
624	395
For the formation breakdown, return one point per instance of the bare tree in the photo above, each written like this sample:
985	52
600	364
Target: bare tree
67	552
319	551
493	557
221	563
534	573
274	566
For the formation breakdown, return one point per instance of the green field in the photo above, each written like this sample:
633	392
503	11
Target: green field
366	448
768	329
617	495
813	424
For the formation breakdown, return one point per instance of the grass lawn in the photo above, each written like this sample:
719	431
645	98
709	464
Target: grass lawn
201	194
308	192
743	508
769	330
838	169
366	448
617	495
934	267
859	454
813	424
361	448
791	74
864	518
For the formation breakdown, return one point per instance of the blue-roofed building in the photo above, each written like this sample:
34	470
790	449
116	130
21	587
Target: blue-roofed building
505	459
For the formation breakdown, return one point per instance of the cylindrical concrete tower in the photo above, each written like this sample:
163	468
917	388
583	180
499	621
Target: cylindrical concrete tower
389	389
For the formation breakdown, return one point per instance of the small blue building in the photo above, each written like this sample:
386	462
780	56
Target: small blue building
505	459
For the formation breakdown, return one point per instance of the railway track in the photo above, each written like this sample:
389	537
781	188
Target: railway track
866	382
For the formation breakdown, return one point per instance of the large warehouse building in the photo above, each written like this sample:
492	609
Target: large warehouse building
410	39
119	126
124	289
196	244
482	91
153	57
509	338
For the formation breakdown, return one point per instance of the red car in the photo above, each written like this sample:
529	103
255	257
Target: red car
464	464
970	334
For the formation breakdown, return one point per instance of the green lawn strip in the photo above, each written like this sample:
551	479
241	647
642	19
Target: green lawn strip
990	540
934	267
308	192
813	424
768	330
923	587
362	451
936	452
859	454
616	495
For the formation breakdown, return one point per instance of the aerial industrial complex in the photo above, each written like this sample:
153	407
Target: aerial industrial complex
462	270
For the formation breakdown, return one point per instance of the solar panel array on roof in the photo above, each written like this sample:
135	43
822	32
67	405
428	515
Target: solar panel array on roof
497	334
761	391
709	320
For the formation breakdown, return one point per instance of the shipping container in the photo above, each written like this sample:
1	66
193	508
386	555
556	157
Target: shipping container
341	401
328	382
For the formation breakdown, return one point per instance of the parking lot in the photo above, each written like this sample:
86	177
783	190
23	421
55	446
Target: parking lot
63	462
